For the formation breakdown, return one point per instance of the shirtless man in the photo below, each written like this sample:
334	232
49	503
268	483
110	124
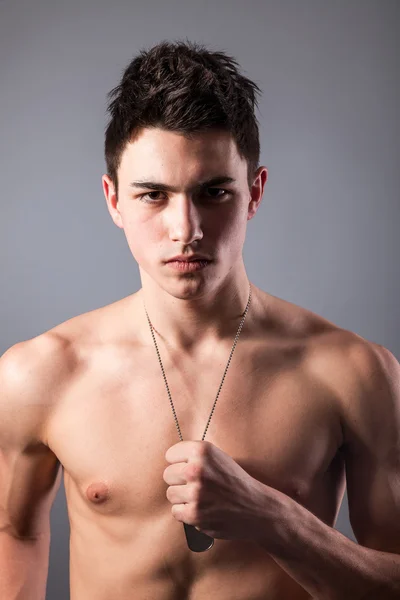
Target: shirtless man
304	404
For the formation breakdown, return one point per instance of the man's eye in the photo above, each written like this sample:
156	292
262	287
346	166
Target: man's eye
153	200
218	190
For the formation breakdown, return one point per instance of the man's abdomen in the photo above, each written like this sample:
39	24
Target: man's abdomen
155	567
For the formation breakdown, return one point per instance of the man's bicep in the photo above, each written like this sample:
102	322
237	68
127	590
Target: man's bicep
29	481
30	473
373	491
372	455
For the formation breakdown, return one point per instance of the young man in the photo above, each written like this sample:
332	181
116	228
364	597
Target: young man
167	497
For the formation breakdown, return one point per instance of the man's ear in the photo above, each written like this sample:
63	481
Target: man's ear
112	200
257	190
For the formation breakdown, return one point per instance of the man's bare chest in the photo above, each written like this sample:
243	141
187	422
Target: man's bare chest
113	425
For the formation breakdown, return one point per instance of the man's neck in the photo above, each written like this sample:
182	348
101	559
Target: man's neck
188	325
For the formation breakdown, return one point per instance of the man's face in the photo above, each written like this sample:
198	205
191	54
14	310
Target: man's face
194	215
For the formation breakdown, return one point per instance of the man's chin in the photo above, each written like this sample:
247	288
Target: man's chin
185	287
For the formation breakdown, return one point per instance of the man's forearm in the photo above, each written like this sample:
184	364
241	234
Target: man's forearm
326	563
23	567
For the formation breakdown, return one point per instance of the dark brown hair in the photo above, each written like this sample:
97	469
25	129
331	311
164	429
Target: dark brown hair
183	87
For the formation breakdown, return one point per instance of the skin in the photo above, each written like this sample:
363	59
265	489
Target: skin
201	309
104	413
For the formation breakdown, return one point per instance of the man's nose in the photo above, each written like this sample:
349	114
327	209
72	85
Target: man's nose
184	221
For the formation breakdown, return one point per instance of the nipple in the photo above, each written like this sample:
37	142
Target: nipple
98	492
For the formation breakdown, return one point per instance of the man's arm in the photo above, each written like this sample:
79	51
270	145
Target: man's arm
30	473
326	563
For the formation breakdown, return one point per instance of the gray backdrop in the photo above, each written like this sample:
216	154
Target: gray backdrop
325	236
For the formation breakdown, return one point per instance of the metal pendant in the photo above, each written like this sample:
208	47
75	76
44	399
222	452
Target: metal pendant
197	540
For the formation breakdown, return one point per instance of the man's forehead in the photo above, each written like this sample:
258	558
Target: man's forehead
160	133
162	142
205	154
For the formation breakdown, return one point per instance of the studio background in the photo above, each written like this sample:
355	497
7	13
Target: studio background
326	234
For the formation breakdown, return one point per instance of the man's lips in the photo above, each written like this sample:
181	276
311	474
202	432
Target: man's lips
188	265
189	258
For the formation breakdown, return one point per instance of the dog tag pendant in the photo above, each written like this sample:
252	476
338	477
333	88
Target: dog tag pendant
197	540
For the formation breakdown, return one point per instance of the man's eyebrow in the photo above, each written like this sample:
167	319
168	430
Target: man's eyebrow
162	187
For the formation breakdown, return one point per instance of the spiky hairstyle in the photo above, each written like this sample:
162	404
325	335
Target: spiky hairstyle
183	87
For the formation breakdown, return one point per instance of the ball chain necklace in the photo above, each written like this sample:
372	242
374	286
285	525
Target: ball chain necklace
198	541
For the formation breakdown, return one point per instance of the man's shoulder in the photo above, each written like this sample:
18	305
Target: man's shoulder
343	358
31	358
326	337
36	372
31	373
347	358
357	374
298	322
45	361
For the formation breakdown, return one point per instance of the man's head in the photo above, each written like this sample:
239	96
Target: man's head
183	116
